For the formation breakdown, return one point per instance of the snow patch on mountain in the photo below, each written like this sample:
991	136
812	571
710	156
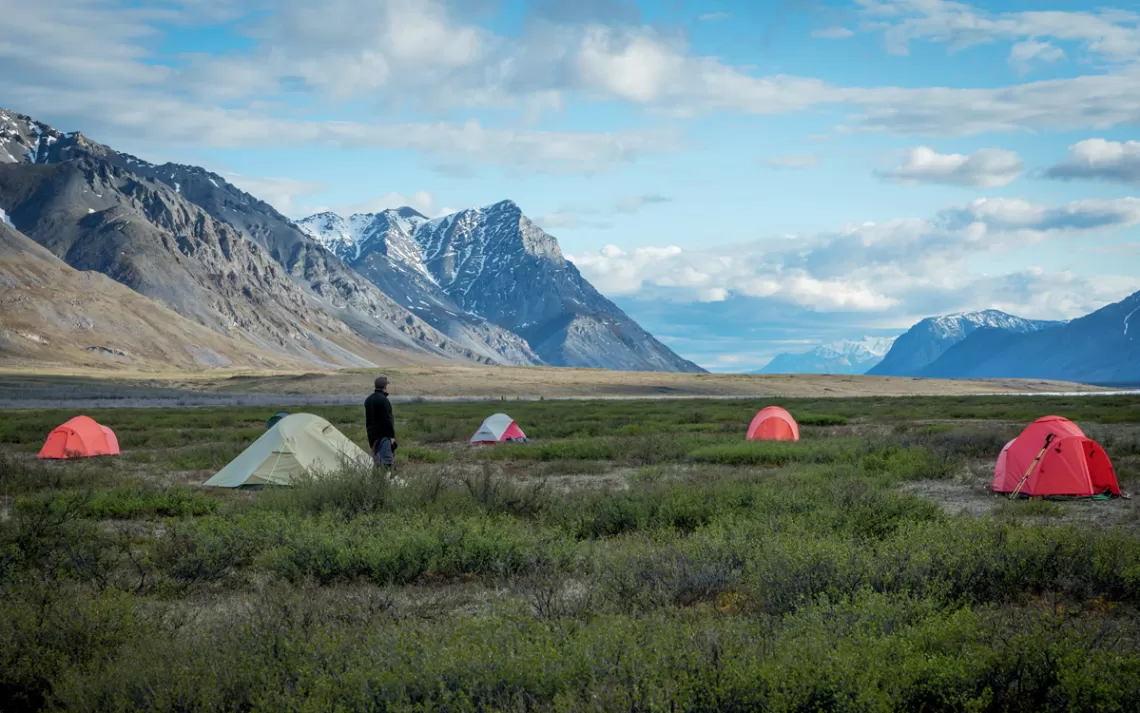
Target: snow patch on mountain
8	221
959	325
1126	319
389	232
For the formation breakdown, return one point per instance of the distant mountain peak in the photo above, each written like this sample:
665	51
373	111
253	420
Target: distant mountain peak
409	212
847	356
928	340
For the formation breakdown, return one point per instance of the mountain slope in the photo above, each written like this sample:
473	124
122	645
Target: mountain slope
843	357
926	341
192	238
52	313
1101	347
495	263
381	247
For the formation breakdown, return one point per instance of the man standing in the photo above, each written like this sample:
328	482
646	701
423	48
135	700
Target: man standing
380	424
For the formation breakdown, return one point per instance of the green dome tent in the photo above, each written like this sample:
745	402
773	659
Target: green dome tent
299	443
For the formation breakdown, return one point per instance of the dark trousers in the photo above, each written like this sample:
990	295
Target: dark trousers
383	454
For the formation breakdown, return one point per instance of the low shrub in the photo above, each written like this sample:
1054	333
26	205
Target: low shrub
416	454
807	419
348	492
142	500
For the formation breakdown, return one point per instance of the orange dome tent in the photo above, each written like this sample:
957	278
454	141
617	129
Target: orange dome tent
773	424
81	437
1059	460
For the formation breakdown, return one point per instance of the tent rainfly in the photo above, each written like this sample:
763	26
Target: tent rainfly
275	418
499	428
297	444
773	424
1060	460
80	437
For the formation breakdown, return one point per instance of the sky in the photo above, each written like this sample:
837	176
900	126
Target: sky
742	177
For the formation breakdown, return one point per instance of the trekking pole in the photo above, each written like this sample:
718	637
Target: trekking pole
1032	465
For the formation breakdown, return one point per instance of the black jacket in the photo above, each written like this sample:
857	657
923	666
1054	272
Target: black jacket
378	418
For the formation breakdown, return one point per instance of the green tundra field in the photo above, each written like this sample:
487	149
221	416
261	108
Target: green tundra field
634	556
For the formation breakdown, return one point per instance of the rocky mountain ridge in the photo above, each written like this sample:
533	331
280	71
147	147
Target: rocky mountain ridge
494	264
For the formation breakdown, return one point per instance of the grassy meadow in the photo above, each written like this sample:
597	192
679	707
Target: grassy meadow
635	556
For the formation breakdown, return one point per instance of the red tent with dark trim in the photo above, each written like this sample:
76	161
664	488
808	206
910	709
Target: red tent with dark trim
1073	464
81	437
773	424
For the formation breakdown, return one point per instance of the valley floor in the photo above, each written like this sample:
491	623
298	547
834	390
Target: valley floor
634	556
26	387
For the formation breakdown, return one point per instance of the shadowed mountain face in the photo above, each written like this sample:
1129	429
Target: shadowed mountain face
51	312
495	265
208	251
1102	347
928	340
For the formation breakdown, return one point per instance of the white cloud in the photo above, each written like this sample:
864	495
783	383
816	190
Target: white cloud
832	33
1114	161
1111	35
1024	54
281	193
92	65
871	267
985	168
794	161
704	277
632	204
1006	214
595	216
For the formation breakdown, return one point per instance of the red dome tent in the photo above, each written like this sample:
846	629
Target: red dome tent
1059	460
773	424
81	437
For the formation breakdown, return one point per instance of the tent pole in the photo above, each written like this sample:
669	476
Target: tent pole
1032	465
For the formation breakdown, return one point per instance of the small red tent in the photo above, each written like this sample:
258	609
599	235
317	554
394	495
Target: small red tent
81	437
1072	464
773	424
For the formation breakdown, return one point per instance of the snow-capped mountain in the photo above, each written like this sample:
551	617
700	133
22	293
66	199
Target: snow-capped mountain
1101	347
494	264
842	357
381	247
926	341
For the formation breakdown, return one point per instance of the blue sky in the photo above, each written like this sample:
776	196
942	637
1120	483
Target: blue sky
744	178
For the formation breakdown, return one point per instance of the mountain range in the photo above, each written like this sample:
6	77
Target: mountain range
484	286
921	345
1102	348
842	357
